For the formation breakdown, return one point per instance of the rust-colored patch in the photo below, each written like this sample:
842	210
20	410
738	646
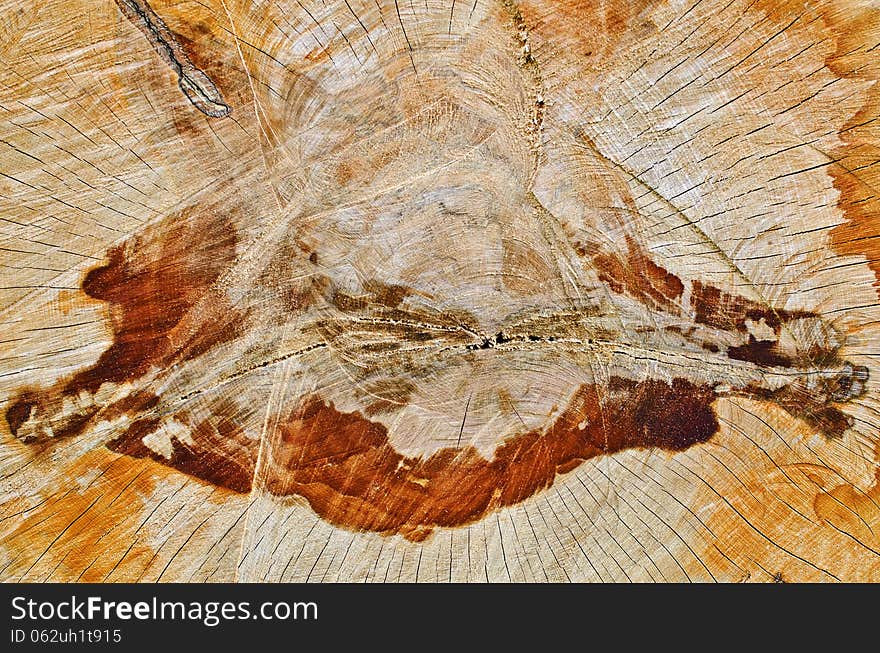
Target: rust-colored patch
67	301
760	352
344	172
152	285
659	278
149	298
852	511
377	293
88	533
857	174
638	276
220	452
565	19
19	410
344	465
714	307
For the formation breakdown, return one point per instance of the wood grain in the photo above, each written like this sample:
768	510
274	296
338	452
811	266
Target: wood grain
547	290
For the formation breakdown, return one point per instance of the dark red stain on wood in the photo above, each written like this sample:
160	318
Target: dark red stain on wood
20	410
151	284
716	308
637	275
760	352
220	452
148	300
351	475
135	402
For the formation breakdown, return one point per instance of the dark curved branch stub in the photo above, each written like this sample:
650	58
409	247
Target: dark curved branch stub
195	84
